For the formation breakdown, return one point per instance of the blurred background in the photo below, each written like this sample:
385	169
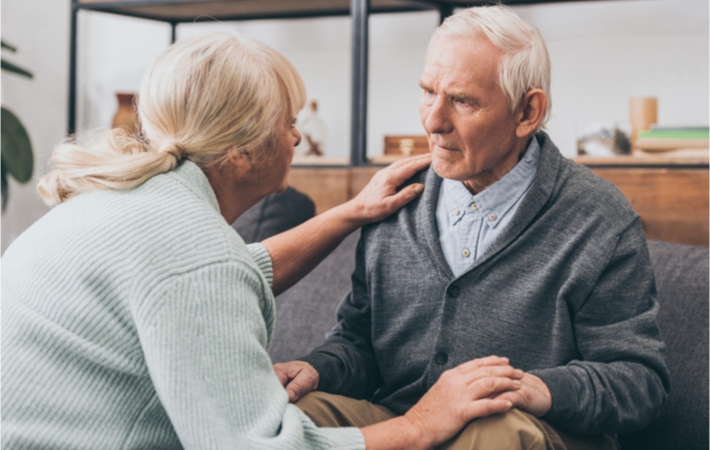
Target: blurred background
603	53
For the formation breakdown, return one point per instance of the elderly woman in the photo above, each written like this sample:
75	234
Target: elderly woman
133	315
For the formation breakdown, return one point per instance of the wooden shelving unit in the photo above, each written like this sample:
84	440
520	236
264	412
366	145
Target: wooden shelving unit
175	12
669	193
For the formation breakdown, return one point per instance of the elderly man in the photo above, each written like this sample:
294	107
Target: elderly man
512	250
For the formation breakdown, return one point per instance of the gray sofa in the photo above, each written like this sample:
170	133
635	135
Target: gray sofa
307	311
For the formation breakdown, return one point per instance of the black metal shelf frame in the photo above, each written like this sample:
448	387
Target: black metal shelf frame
359	11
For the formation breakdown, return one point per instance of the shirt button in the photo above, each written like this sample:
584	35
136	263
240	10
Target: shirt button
441	358
466	253
457	212
492	217
453	291
474	206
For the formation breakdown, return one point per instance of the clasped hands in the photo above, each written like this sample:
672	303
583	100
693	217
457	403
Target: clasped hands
475	388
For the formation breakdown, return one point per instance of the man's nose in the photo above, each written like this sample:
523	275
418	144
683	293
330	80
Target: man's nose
297	135
437	120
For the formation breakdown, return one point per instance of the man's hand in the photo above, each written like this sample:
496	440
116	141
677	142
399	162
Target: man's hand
297	377
533	396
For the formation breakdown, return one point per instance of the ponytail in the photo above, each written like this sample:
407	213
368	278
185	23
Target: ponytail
202	98
118	161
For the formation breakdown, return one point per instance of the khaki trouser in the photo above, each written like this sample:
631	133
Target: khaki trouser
512	430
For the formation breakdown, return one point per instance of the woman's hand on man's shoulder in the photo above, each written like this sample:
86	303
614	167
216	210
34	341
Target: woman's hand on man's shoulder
382	196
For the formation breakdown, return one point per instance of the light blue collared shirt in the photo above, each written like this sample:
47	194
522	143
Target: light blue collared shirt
469	224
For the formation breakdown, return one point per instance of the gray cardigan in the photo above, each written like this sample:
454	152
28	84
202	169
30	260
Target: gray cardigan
566	292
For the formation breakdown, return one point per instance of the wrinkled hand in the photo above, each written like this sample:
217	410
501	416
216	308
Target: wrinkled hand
297	377
462	394
533	396
380	198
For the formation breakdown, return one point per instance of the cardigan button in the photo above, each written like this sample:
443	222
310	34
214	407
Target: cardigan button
453	291
441	358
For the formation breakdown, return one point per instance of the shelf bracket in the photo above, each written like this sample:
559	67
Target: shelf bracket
71	116
445	10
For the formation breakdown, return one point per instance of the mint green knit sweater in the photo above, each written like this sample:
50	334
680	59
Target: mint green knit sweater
139	319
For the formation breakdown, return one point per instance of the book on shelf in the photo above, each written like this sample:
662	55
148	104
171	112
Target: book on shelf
664	139
656	127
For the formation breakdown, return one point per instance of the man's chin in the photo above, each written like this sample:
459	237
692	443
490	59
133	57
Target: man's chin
443	168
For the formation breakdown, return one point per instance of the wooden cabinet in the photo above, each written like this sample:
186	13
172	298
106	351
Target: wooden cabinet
329	187
670	195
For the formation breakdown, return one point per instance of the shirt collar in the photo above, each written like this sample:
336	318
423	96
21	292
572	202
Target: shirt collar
494	202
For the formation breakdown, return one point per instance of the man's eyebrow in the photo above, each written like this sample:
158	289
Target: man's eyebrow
460	95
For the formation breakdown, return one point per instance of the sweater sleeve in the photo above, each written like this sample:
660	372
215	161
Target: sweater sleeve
262	259
620	382
346	362
203	336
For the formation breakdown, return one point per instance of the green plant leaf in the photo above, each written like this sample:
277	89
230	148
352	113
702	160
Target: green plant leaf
12	48
17	159
3	188
10	67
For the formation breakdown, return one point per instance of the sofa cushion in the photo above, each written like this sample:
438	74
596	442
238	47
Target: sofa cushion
273	215
682	281
306	312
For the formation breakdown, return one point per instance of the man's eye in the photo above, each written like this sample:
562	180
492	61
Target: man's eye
460	101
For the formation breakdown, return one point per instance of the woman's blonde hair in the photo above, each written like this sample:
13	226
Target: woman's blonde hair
202	98
525	64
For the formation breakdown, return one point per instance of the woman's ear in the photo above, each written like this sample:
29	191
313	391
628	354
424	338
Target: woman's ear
531	111
240	160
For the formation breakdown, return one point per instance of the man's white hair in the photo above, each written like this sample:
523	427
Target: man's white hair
525	64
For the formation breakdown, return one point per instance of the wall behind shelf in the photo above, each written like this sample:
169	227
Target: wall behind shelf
602	53
319	48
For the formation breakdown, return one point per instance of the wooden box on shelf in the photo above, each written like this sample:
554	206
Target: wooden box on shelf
400	146
406	145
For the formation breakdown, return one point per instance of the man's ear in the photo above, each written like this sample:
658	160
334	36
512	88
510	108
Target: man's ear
531	111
